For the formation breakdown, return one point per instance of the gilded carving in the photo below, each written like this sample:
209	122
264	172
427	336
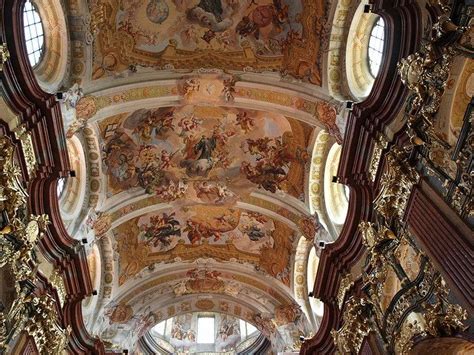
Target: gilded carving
393	291
379	146
28	151
57	281
4	55
349	338
443	318
426	73
405	337
19	234
397	183
344	286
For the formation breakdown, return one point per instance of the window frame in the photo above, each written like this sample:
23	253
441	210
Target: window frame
379	22
198	341
26	27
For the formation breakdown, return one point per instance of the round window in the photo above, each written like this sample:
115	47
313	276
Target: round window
34	33
375	48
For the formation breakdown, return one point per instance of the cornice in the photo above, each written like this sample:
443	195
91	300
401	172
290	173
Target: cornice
367	121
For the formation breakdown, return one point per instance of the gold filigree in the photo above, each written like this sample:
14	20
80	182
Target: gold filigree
397	183
443	318
349	338
58	283
19	235
344	286
404	342
44	327
372	236
28	151
4	55
379	146
426	74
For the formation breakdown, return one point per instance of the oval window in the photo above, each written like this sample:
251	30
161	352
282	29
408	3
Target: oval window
34	33
375	48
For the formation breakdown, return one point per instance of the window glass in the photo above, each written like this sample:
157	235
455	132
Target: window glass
376	44
60	187
34	34
206	330
246	329
250	329
160	328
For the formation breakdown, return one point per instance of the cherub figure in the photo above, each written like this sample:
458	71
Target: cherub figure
190	86
245	121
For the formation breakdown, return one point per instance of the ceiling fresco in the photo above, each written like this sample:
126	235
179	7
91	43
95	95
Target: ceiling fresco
252	35
198	120
194	180
182	334
204	231
203	155
203	287
213	88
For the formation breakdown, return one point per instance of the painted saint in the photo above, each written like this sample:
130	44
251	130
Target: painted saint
203	163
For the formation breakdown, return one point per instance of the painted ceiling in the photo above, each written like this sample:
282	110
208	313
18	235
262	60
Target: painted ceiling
198	121
205	231
203	154
227	34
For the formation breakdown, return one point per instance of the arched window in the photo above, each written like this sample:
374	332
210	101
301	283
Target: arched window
61	187
203	333
364	52
375	48
34	33
206	331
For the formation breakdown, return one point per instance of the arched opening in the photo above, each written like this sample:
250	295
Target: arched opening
198	332
34	33
46	42
375	48
364	52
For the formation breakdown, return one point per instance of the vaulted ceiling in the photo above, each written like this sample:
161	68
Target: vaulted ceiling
198	121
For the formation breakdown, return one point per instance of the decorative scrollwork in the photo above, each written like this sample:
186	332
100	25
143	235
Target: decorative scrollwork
397	184
27	145
43	325
19	235
426	292
380	145
4	55
443	318
344	286
349	338
426	74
